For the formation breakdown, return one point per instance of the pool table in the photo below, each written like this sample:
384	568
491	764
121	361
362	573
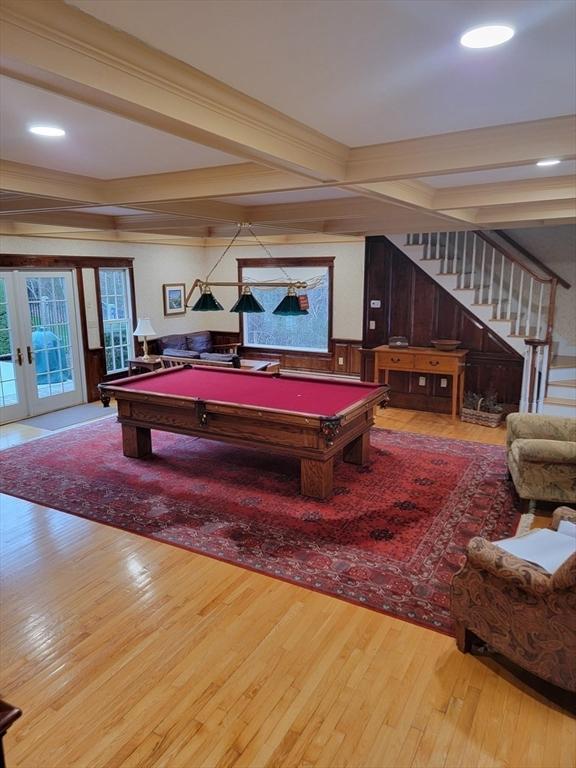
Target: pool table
310	418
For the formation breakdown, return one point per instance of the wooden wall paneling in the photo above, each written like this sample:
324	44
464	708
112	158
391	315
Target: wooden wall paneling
415	306
94	368
423	311
355	359
376	283
341	357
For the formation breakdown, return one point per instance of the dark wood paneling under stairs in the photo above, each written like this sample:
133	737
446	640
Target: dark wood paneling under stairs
412	304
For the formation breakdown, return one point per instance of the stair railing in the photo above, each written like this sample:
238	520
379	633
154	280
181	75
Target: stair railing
516	293
534	375
497	277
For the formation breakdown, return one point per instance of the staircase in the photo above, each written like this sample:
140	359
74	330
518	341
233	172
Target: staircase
560	398
509	297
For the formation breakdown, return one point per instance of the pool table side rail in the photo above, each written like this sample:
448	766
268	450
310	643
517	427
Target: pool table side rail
213	405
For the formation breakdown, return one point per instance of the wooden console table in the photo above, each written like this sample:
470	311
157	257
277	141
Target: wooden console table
423	360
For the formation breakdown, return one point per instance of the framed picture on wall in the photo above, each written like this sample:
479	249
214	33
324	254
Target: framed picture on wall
174	295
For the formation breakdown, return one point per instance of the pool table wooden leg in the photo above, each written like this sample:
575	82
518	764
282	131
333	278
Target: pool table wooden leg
316	478
358	451
136	442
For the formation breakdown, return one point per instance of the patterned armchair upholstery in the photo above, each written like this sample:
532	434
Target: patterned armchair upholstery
519	609
541	454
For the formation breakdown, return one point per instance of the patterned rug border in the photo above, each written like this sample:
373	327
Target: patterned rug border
455	445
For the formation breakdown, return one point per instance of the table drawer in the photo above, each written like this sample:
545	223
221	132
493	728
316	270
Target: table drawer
435	364
401	360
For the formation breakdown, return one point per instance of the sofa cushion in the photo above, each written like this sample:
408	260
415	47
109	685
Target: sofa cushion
200	341
172	352
174	341
220	357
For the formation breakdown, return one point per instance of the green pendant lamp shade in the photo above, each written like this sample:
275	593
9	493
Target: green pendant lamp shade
247	302
290	305
207	302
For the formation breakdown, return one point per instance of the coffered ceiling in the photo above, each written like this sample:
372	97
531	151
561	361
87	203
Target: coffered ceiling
308	118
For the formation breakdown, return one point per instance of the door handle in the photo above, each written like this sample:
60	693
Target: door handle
19	357
433	362
29	353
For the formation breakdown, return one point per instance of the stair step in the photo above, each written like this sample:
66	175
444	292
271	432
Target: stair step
569	383
555	409
563	361
559	401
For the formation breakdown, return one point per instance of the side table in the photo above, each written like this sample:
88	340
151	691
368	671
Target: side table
153	363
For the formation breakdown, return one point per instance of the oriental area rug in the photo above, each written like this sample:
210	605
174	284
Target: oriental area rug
390	538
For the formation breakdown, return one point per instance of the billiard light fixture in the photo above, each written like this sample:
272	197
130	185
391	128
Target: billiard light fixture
291	304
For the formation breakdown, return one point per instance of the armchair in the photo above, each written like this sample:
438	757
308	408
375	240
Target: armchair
541	455
518	609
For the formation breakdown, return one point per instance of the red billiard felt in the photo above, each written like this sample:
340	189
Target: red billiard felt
285	393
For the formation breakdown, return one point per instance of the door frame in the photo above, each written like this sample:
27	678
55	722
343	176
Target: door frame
20	314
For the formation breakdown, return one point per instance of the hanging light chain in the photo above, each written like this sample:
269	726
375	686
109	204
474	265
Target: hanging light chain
230	244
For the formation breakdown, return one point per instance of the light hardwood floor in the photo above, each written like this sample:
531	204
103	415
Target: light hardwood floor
126	652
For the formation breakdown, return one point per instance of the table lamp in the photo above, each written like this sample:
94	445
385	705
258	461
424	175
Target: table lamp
144	329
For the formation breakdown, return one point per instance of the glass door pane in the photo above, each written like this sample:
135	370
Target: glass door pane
13	402
50	326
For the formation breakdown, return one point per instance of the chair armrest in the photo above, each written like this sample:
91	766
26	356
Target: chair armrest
546	451
8	714
563	513
231	347
489	557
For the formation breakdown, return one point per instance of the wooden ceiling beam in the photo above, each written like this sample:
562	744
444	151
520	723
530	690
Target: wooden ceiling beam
559	188
75	219
479	149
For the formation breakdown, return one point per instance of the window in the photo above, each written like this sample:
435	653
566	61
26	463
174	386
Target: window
309	333
116	317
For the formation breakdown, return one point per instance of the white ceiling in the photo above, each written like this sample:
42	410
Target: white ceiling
361	72
96	144
370	71
566	168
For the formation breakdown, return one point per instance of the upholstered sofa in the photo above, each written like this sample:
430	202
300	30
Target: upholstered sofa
518	609
195	345
541	455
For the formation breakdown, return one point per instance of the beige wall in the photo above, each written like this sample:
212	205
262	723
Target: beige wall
158	264
153	266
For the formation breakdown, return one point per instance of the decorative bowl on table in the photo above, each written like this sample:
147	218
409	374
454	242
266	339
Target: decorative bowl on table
446	345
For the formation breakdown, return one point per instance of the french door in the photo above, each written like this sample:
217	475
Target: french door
40	368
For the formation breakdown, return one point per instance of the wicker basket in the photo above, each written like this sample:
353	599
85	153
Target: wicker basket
476	416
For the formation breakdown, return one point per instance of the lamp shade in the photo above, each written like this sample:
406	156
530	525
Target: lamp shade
247	302
207	302
290	306
144	327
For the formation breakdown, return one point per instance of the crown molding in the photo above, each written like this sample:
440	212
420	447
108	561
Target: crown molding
60	48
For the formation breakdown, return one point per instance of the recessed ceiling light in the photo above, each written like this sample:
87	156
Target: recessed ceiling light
544	163
47	130
486	37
